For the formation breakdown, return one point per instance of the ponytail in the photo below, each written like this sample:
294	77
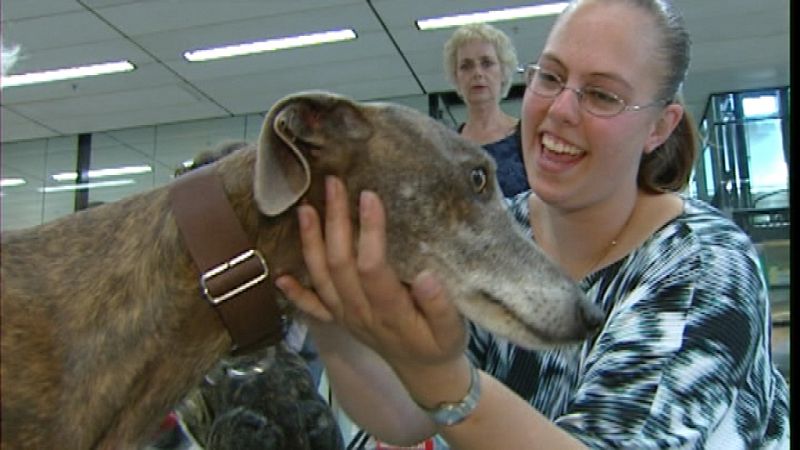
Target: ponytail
669	166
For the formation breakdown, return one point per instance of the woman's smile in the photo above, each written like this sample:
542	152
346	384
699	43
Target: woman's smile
557	155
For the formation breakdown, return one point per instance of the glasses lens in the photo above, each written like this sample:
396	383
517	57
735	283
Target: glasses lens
542	82
600	102
592	99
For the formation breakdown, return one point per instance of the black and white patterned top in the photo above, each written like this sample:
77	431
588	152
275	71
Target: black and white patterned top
684	358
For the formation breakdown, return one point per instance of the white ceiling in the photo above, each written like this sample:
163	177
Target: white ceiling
738	44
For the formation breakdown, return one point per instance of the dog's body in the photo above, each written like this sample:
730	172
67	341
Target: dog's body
103	329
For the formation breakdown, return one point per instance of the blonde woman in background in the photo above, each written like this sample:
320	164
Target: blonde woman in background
480	61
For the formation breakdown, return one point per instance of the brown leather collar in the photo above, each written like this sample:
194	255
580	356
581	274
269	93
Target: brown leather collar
234	277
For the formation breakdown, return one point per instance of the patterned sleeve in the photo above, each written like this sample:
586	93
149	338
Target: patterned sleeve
679	362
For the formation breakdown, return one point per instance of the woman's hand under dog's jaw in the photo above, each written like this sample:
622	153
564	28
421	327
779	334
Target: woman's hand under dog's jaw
416	330
388	348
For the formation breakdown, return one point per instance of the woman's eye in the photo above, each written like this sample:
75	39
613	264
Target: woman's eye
548	79
479	179
600	95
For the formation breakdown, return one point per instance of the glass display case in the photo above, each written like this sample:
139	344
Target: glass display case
743	169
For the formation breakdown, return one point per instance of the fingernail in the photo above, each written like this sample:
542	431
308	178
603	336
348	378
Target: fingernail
331	187
302	217
283	283
367	201
426	285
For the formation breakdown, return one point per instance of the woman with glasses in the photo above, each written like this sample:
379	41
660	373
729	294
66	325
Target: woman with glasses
683	359
480	62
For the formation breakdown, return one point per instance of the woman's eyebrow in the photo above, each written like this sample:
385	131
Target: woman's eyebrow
550	58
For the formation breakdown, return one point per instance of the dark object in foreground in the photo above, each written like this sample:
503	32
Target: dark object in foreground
266	401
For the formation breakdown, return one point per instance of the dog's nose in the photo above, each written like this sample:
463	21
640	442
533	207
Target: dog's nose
591	317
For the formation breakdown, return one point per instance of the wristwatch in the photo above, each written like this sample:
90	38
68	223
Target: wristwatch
447	414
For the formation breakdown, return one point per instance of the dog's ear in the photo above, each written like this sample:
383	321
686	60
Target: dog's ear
295	126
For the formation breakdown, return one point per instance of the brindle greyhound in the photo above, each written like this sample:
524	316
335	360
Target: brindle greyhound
103	324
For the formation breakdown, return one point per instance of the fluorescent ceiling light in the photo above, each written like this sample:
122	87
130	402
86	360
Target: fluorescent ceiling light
6	182
110	172
763	105
76	187
66	73
269	45
496	15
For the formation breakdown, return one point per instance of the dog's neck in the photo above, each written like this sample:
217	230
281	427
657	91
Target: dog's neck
233	274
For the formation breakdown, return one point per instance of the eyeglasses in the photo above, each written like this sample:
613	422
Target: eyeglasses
592	99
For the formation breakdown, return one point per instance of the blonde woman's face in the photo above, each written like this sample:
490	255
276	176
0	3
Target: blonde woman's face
479	76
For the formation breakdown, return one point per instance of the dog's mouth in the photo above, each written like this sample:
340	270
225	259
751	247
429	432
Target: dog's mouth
539	335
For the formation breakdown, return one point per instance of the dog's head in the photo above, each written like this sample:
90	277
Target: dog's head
444	208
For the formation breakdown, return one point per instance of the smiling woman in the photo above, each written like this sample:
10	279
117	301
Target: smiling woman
683	357
147	117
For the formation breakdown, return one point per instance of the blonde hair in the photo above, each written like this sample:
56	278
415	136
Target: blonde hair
506	53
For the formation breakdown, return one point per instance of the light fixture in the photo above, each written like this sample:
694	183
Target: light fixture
77	187
496	15
269	45
110	172
760	106
7	182
66	73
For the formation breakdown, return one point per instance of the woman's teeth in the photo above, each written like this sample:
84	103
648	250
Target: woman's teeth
559	147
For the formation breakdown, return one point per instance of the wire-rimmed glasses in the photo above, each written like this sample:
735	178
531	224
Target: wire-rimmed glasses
594	100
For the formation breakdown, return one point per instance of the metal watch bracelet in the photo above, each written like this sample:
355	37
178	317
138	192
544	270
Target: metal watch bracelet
447	414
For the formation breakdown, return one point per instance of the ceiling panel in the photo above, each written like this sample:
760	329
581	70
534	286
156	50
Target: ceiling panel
19	10
255	93
316	59
61	30
168	45
15	127
136	19
146	74
129	100
738	44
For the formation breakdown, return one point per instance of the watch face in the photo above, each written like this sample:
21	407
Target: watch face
452	413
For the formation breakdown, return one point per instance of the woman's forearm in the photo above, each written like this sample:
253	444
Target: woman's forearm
367	388
504	420
501	418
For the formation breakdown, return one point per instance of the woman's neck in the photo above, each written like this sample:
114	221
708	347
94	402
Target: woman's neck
487	123
586	239
583	241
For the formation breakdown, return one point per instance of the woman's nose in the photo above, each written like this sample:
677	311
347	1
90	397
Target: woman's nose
566	106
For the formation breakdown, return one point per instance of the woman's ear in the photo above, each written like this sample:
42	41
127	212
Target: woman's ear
670	117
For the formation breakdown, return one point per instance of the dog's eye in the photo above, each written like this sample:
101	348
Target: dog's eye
479	179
